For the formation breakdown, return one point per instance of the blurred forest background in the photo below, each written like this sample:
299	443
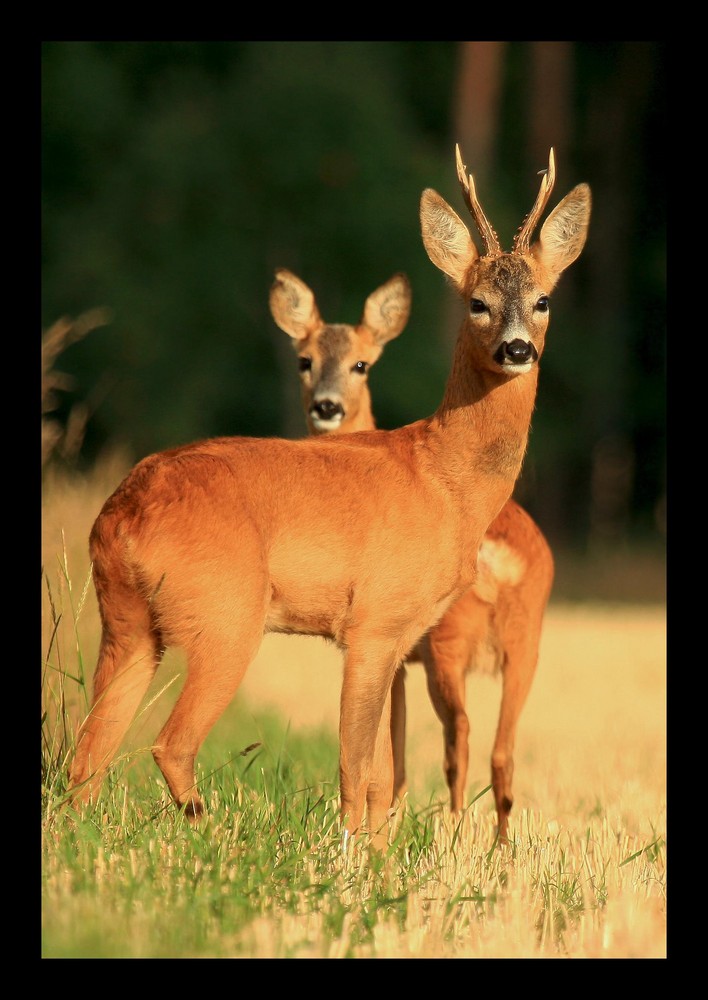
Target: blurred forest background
176	176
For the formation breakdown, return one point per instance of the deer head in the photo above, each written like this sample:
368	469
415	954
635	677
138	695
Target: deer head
334	358
507	294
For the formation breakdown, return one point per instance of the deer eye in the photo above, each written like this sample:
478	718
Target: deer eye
304	364
361	367
477	306
542	304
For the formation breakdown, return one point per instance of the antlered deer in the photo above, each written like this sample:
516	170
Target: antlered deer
209	545
496	624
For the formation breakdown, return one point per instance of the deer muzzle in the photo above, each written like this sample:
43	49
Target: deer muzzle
516	354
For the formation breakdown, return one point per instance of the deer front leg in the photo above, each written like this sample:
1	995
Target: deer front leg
445	657
365	750
379	793
398	734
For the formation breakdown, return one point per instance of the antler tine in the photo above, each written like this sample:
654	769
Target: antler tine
489	237
522	240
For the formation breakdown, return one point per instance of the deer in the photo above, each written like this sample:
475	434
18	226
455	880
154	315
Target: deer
210	545
496	625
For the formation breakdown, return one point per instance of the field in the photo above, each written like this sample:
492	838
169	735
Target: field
264	875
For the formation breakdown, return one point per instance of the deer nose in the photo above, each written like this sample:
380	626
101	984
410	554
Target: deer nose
326	409
516	352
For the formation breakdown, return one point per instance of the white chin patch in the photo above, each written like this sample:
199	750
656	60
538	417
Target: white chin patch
518	369
327	425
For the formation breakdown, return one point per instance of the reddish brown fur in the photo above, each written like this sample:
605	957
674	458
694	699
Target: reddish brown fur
496	625
210	545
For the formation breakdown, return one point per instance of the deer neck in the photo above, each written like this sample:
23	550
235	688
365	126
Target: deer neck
363	420
479	434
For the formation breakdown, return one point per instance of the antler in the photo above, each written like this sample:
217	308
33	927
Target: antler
522	240
489	237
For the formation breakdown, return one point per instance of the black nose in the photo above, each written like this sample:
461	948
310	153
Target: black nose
516	352
325	409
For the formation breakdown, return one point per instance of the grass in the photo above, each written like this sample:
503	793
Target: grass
263	875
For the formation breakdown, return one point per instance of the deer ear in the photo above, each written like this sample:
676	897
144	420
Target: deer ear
564	232
293	305
386	310
446	238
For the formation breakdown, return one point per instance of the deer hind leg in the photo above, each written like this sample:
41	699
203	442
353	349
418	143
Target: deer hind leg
214	673
445	655
521	656
129	654
398	734
365	751
217	659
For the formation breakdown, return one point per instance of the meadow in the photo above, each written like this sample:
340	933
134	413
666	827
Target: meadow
263	875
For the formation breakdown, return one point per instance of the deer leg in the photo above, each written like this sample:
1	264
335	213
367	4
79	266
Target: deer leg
521	655
398	733
128	658
445	660
215	668
379	792
365	752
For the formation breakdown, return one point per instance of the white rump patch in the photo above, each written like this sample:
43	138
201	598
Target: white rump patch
498	563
